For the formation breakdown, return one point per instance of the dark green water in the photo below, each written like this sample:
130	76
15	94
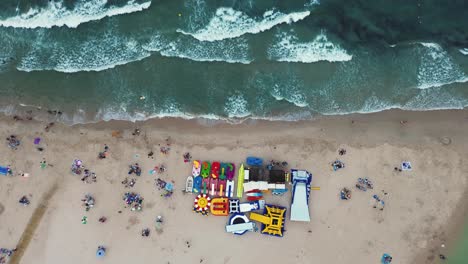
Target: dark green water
291	60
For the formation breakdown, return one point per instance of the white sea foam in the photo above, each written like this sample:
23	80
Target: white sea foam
289	49
231	51
435	99
236	106
290	94
229	23
312	3
56	14
91	55
464	51
437	68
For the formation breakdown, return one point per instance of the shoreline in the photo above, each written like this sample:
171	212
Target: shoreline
426	133
42	114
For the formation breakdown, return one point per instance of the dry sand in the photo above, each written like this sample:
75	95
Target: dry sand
417	219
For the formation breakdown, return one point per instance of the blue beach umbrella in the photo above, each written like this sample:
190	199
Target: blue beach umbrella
386	259
101	252
169	187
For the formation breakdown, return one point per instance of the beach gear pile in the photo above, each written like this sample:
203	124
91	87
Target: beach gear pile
158	169
135	168
103	154
13	142
379	203
77	167
5	171
213	184
165	150
5	255
406	166
386	259
145	232
129	183
342	152
363	184
133	200
166	187
100	252
89	177
337	164
345	194
187	157
24	201
88	202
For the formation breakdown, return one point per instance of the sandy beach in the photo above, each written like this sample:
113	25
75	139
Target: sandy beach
424	206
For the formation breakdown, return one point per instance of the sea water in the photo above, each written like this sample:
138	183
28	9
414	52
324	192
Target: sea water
460	254
279	60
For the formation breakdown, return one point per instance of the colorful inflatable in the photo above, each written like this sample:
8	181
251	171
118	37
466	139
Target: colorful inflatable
220	206
197	182
205	169
223	170
201	204
213	186
196	168
222	187
254	195
215	170
230	170
205	185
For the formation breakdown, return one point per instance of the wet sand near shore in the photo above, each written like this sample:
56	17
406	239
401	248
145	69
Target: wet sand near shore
420	212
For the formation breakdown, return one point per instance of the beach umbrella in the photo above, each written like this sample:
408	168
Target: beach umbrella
169	187
101	252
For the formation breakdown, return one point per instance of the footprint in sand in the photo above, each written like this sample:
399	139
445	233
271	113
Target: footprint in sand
2	208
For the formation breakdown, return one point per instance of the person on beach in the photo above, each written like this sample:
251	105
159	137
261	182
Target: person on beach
13	142
379	203
345	194
135	168
145	232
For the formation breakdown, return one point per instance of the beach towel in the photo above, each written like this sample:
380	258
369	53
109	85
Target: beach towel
406	166
3	170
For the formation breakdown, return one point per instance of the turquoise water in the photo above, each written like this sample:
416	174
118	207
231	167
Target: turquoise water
460	254
94	59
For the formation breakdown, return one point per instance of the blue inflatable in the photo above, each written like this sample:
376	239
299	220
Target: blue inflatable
254	161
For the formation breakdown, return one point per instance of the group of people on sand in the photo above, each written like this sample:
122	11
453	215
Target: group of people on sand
364	184
5	254
77	167
88	202
129	183
134	200
135	168
24	200
13	142
89	177
105	153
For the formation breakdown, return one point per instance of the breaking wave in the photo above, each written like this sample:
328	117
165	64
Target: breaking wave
91	55
437	68
231	51
236	106
289	49
229	23
312	3
464	51
56	14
